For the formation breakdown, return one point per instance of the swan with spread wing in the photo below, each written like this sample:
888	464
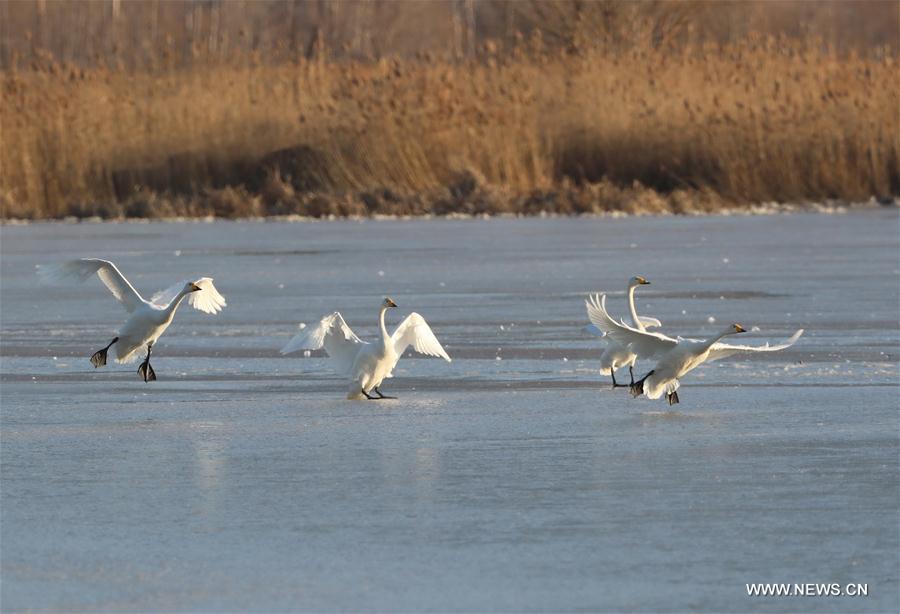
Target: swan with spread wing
148	319
675	357
617	355
367	364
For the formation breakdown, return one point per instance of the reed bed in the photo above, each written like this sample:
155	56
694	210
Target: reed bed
581	129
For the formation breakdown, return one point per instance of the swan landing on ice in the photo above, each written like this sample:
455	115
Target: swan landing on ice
367	364
618	355
675	357
148	319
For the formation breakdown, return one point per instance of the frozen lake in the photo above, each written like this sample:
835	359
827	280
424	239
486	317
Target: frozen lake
512	479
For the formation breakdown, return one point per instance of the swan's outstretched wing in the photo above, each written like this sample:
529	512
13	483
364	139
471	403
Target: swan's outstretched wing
721	350
642	343
207	300
334	335
414	331
83	268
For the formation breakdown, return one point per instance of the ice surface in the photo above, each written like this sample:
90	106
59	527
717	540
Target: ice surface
242	480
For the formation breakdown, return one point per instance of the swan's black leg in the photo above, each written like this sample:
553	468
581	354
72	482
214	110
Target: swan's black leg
637	388
368	396
631	373
99	357
145	370
615	383
672	398
381	396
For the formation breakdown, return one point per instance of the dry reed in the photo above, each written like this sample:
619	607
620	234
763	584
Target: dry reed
582	129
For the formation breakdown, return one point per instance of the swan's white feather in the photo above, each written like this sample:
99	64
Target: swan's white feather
332	332
207	300
721	350
414	331
649	322
83	268
654	387
642	343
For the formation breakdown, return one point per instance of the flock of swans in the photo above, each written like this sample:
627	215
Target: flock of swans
675	358
366	365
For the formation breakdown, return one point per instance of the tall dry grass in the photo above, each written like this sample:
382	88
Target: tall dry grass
536	128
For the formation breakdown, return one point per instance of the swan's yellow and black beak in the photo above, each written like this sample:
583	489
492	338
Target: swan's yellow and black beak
389	302
739	329
195	287
642	281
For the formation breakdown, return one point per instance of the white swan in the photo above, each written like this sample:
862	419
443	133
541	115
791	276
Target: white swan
367	364
149	319
675	357
616	354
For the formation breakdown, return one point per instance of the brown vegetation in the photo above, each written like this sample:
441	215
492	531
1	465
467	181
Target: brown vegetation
634	122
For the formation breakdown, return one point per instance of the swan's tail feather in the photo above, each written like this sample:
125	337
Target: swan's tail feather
127	355
608	363
354	391
655	387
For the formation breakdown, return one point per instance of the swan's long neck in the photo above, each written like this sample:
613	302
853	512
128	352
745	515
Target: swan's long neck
384	334
711	341
171	307
634	316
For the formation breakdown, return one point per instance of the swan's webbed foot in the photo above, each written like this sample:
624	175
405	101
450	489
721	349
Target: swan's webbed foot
381	396
98	359
637	388
672	398
145	370
367	395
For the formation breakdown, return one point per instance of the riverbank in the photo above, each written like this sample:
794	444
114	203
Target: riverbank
460	201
